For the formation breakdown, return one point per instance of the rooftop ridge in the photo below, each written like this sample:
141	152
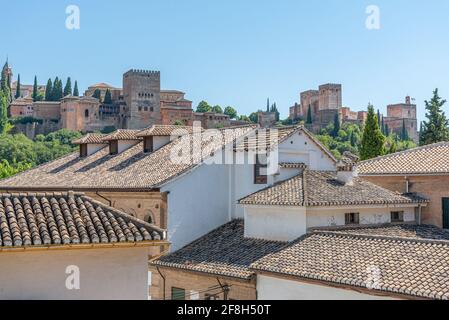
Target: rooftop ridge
391	155
335	233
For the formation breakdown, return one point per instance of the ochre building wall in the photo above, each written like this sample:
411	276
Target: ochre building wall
432	187
200	283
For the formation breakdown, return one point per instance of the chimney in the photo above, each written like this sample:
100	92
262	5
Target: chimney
347	169
90	144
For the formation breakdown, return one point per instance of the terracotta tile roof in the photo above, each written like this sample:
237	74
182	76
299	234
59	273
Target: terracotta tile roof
405	265
431	159
223	251
122	134
130	169
165	130
91	138
32	219
321	188
292	165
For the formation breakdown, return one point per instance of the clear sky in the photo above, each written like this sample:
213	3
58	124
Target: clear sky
239	52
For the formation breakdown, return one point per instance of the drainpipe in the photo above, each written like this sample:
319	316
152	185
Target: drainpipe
104	198
163	281
225	289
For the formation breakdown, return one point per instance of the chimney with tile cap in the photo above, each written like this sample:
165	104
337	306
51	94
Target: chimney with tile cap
347	169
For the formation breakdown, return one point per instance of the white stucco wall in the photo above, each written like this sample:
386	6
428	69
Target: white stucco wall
159	142
126	144
104	274
93	148
197	203
271	288
290	223
300	148
275	223
327	217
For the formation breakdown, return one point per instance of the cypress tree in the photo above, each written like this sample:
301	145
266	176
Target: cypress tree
435	129
3	112
383	127
275	109
97	94
18	87
309	115
35	90
75	90
372	140
49	91
379	119
387	130
336	125
107	97
68	87
268	104
404	133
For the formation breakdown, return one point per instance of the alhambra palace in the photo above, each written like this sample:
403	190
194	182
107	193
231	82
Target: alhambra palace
140	103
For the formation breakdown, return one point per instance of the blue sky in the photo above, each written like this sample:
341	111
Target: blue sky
239	52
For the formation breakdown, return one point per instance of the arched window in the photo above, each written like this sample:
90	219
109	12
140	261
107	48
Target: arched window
148	218
86	113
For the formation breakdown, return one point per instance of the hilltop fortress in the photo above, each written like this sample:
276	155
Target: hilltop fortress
139	104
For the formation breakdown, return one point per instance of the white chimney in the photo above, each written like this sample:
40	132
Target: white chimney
347	169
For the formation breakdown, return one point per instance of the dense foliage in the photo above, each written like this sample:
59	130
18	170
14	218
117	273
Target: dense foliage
19	153
435	129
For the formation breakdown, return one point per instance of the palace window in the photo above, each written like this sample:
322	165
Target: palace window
145	109
178	294
352	218
260	168
86	113
151	109
397	216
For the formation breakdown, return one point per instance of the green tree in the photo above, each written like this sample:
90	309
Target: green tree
17	95
393	148
203	106
107	97
3	113
379	119
68	87
254	117
336	124
268	104
309	115
231	112
75	90
178	123
435	129
49	91
217	109
372	140
387	130
244	118
404	132
97	94
35	90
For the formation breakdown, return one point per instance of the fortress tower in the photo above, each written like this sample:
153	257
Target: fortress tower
330	96
141	92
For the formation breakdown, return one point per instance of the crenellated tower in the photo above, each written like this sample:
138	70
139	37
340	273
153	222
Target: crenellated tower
141	92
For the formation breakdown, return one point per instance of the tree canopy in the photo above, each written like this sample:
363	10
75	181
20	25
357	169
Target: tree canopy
435	129
372	140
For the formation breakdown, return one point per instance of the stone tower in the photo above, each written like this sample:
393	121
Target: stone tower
330	96
141	92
